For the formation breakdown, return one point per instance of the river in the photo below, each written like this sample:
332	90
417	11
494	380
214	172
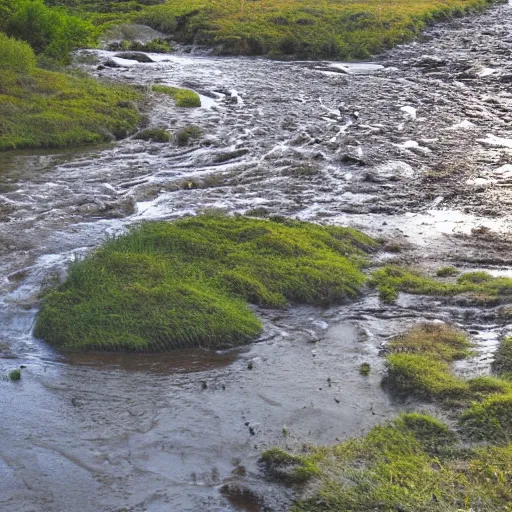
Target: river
415	148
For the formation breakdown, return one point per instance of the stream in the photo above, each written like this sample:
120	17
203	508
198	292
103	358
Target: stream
414	148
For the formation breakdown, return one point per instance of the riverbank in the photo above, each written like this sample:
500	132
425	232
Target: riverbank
286	28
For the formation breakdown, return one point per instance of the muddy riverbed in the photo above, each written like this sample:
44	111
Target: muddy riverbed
415	148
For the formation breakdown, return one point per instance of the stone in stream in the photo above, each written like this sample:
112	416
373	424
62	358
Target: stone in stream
138	56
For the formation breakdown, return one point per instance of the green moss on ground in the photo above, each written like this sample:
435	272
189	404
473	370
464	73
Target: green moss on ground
399	466
479	287
43	109
188	283
182	97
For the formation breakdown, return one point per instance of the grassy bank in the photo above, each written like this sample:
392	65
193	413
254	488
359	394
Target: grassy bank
44	109
345	29
417	463
297	28
189	283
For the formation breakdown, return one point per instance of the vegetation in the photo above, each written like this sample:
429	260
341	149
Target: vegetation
414	463
182	97
502	364
333	29
154	134
187	133
53	33
478	287
15	375
188	283
46	109
447	272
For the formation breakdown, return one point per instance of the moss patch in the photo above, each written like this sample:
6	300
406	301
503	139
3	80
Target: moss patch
398	466
187	283
182	97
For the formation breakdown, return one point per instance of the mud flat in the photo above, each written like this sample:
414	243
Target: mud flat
415	149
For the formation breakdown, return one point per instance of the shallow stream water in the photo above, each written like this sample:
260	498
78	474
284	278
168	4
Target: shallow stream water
415	148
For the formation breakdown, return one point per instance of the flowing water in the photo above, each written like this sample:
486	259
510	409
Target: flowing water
415	148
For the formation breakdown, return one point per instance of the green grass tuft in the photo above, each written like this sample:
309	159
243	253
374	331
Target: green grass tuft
418	363
447	272
15	375
182	97
43	109
187	284
490	420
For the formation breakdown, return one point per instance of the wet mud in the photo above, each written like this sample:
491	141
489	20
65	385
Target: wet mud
415	148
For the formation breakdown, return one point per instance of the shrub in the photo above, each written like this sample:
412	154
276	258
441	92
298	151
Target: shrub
16	55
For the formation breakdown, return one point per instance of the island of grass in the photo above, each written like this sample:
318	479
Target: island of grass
43	109
182	97
189	283
475	287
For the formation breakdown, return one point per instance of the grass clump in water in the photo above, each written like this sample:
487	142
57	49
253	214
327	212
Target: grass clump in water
154	134
411	464
187	134
502	364
478	287
188	283
182	97
15	375
418	363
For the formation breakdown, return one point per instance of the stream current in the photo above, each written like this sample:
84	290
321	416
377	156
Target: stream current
415	148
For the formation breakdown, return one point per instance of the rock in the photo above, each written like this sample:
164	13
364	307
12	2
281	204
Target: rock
109	63
138	56
429	62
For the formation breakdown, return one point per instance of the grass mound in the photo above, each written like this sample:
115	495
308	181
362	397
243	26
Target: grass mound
393	468
42	109
188	283
490	420
182	97
419	362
